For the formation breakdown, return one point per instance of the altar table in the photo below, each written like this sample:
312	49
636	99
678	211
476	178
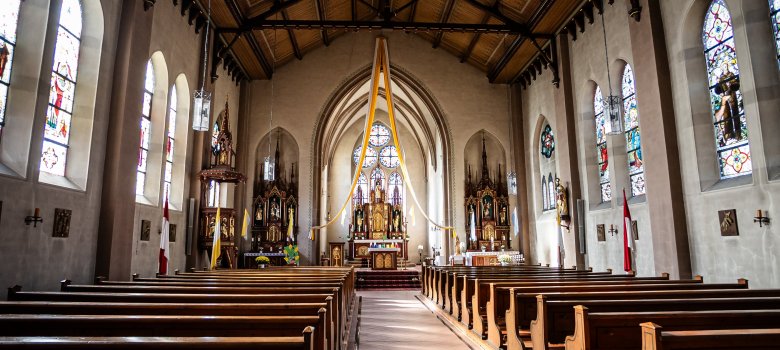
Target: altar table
384	258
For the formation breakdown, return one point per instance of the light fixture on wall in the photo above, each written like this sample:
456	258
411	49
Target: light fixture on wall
201	99
269	163
612	103
511	182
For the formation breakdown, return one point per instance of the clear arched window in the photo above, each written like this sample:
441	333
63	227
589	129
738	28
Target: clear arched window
170	143
774	9
731	134
377	175
550	192
361	192
601	146
636	168
9	17
62	90
545	200
146	130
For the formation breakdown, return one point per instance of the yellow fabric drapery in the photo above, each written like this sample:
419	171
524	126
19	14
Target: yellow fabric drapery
381	65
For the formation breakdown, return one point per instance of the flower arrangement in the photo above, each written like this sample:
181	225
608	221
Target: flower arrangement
262	260
505	259
291	254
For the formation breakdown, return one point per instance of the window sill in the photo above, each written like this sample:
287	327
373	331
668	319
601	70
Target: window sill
143	201
733	182
58	181
642	198
6	171
601	206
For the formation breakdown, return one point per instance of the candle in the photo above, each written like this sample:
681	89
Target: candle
758	213
37	212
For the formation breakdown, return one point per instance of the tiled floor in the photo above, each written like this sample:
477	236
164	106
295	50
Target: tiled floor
397	320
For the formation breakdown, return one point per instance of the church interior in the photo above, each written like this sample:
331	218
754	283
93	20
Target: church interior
309	174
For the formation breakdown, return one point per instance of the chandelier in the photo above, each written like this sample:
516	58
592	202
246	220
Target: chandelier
612	103
201	99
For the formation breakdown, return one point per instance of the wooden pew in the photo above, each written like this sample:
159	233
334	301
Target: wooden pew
304	342
17	325
555	319
655	338
621	330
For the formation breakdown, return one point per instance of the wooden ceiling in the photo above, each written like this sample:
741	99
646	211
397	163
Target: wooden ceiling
500	37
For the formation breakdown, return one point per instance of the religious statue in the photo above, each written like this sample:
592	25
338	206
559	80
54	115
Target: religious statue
457	246
231	227
561	201
378	191
259	213
728	113
471	211
486	207
360	221
502	219
275	211
378	222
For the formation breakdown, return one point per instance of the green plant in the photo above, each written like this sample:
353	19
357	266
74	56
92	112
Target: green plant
262	260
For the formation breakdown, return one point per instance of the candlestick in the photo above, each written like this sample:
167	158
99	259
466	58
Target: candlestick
38	212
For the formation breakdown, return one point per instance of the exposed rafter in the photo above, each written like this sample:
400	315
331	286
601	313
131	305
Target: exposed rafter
444	19
354	10
321	17
277	7
466	54
392	25
239	18
515	45
293	40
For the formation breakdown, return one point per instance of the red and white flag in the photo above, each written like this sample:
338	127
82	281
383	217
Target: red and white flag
164	241
628	237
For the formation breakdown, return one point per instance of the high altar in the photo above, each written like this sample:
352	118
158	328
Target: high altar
377	224
274	208
487	203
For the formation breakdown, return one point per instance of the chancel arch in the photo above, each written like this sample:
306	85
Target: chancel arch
425	141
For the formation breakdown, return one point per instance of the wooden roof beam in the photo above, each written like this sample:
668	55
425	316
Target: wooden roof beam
444	18
321	16
293	40
466	54
354	10
277	7
235	11
377	25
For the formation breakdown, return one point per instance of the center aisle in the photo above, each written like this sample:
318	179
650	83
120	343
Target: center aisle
398	320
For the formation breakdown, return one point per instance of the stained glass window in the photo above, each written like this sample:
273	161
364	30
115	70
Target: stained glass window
146	130
215	137
550	192
547	142
731	134
636	168
377	174
369	161
62	92
396	188
169	145
379	136
9	17
388	156
774	8
601	146
362	190
545	200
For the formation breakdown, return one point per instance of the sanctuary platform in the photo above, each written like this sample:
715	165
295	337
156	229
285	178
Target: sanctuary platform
368	279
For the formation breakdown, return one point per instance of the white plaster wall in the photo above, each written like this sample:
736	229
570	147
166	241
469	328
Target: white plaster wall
31	257
755	253
301	90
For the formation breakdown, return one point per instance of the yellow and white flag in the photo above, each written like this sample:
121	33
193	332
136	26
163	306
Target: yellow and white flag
245	224
216	246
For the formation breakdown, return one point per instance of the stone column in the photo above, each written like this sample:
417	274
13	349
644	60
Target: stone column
115	232
657	123
518	133
568	167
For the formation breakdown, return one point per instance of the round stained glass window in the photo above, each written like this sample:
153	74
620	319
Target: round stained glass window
388	156
370	157
380	134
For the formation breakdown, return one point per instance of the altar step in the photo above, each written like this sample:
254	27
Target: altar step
391	279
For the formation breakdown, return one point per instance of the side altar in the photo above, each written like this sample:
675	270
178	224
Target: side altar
378	223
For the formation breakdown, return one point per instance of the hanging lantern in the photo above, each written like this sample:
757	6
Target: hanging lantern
268	169
511	181
613	109
201	107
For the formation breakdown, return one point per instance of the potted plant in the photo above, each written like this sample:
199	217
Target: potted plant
505	259
262	261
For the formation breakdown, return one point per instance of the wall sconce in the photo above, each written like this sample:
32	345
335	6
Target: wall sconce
612	230
35	219
761	219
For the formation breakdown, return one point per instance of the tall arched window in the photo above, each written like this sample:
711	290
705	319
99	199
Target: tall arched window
170	138
63	86
361	190
731	134
9	17
550	192
601	146
636	168
774	9
547	164
146	130
545	200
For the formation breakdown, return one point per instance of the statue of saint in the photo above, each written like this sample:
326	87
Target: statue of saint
378	191
360	221
457	246
397	222
503	215
275	211
561	202
259	212
378	223
486	206
728	113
